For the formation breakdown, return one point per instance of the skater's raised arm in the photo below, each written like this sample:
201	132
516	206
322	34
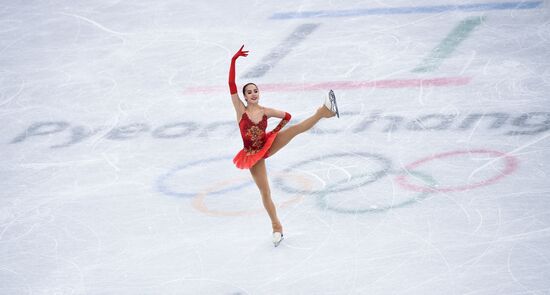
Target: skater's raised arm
278	114
237	102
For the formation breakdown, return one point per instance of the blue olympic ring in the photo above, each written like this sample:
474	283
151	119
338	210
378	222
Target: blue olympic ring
164	188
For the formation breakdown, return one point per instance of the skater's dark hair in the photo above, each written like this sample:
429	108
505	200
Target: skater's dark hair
244	87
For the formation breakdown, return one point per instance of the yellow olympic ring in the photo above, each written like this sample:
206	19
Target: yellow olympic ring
198	201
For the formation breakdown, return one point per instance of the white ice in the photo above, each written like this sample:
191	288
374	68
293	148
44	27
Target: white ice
117	134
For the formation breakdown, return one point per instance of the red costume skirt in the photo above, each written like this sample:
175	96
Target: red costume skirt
245	160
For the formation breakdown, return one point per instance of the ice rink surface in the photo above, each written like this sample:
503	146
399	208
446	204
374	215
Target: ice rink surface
117	134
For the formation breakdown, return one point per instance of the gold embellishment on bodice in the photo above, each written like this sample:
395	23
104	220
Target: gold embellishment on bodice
257	137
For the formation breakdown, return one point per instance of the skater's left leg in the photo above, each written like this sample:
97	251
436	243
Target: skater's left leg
286	135
259	174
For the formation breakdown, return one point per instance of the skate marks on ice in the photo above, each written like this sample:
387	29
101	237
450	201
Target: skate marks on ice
280	51
348	183
203	286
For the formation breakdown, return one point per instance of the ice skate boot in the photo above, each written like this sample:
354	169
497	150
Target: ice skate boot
277	238
330	103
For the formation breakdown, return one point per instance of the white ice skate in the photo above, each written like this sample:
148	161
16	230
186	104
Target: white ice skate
330	103
277	238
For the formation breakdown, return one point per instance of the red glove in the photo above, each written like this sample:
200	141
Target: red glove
282	123
232	85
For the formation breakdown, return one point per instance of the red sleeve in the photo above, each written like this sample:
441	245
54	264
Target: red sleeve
283	122
232	85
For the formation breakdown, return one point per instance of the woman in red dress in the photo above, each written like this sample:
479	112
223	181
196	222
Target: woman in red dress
259	144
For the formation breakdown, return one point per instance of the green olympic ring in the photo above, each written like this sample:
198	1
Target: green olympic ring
322	202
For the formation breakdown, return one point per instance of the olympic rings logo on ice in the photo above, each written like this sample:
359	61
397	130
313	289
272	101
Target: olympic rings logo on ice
356	177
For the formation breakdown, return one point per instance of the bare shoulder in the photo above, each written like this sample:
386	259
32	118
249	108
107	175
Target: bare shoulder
270	112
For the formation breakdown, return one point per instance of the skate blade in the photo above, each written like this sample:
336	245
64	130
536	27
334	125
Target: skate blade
277	242
333	100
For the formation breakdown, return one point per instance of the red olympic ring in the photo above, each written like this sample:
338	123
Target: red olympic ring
511	165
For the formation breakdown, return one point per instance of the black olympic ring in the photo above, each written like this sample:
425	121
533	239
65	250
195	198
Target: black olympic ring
336	187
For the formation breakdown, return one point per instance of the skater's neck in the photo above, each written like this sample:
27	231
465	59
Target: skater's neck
253	108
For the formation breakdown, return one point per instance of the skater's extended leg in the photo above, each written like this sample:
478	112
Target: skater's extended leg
286	135
259	174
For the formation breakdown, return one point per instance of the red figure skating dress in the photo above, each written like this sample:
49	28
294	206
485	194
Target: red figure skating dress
256	141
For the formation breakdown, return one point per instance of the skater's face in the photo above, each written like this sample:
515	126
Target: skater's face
251	94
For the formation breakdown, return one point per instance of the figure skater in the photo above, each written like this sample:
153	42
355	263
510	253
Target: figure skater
258	145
